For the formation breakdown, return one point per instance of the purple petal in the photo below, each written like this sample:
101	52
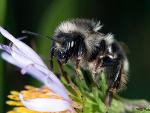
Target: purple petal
5	48
49	79
9	58
22	46
24	57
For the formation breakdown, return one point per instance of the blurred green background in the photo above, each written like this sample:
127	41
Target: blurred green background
128	20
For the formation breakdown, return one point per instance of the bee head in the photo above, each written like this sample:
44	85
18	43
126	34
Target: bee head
71	38
68	45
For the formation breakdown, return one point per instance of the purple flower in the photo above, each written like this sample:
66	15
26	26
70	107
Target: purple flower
21	55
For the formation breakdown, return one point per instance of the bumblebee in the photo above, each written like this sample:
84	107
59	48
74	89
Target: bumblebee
80	41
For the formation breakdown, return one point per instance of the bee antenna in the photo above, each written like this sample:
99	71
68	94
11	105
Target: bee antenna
37	34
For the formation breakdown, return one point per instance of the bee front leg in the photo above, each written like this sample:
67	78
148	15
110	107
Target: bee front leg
52	52
51	58
61	68
62	71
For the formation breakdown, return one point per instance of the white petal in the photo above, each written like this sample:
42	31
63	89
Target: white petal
49	79
9	59
61	90
45	104
5	48
25	56
53	82
16	55
38	72
22	46
23	61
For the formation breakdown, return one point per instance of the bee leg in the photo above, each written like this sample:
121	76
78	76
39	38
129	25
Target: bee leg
78	71
96	76
113	69
113	82
77	66
51	57
52	52
79	55
109	96
63	73
61	67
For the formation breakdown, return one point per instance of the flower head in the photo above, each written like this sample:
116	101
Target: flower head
21	55
40	95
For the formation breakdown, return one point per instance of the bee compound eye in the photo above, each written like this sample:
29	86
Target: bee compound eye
62	57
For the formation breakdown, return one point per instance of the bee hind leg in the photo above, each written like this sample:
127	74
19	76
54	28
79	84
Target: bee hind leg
114	73
114	84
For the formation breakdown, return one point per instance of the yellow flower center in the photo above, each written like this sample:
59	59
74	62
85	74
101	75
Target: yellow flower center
30	93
